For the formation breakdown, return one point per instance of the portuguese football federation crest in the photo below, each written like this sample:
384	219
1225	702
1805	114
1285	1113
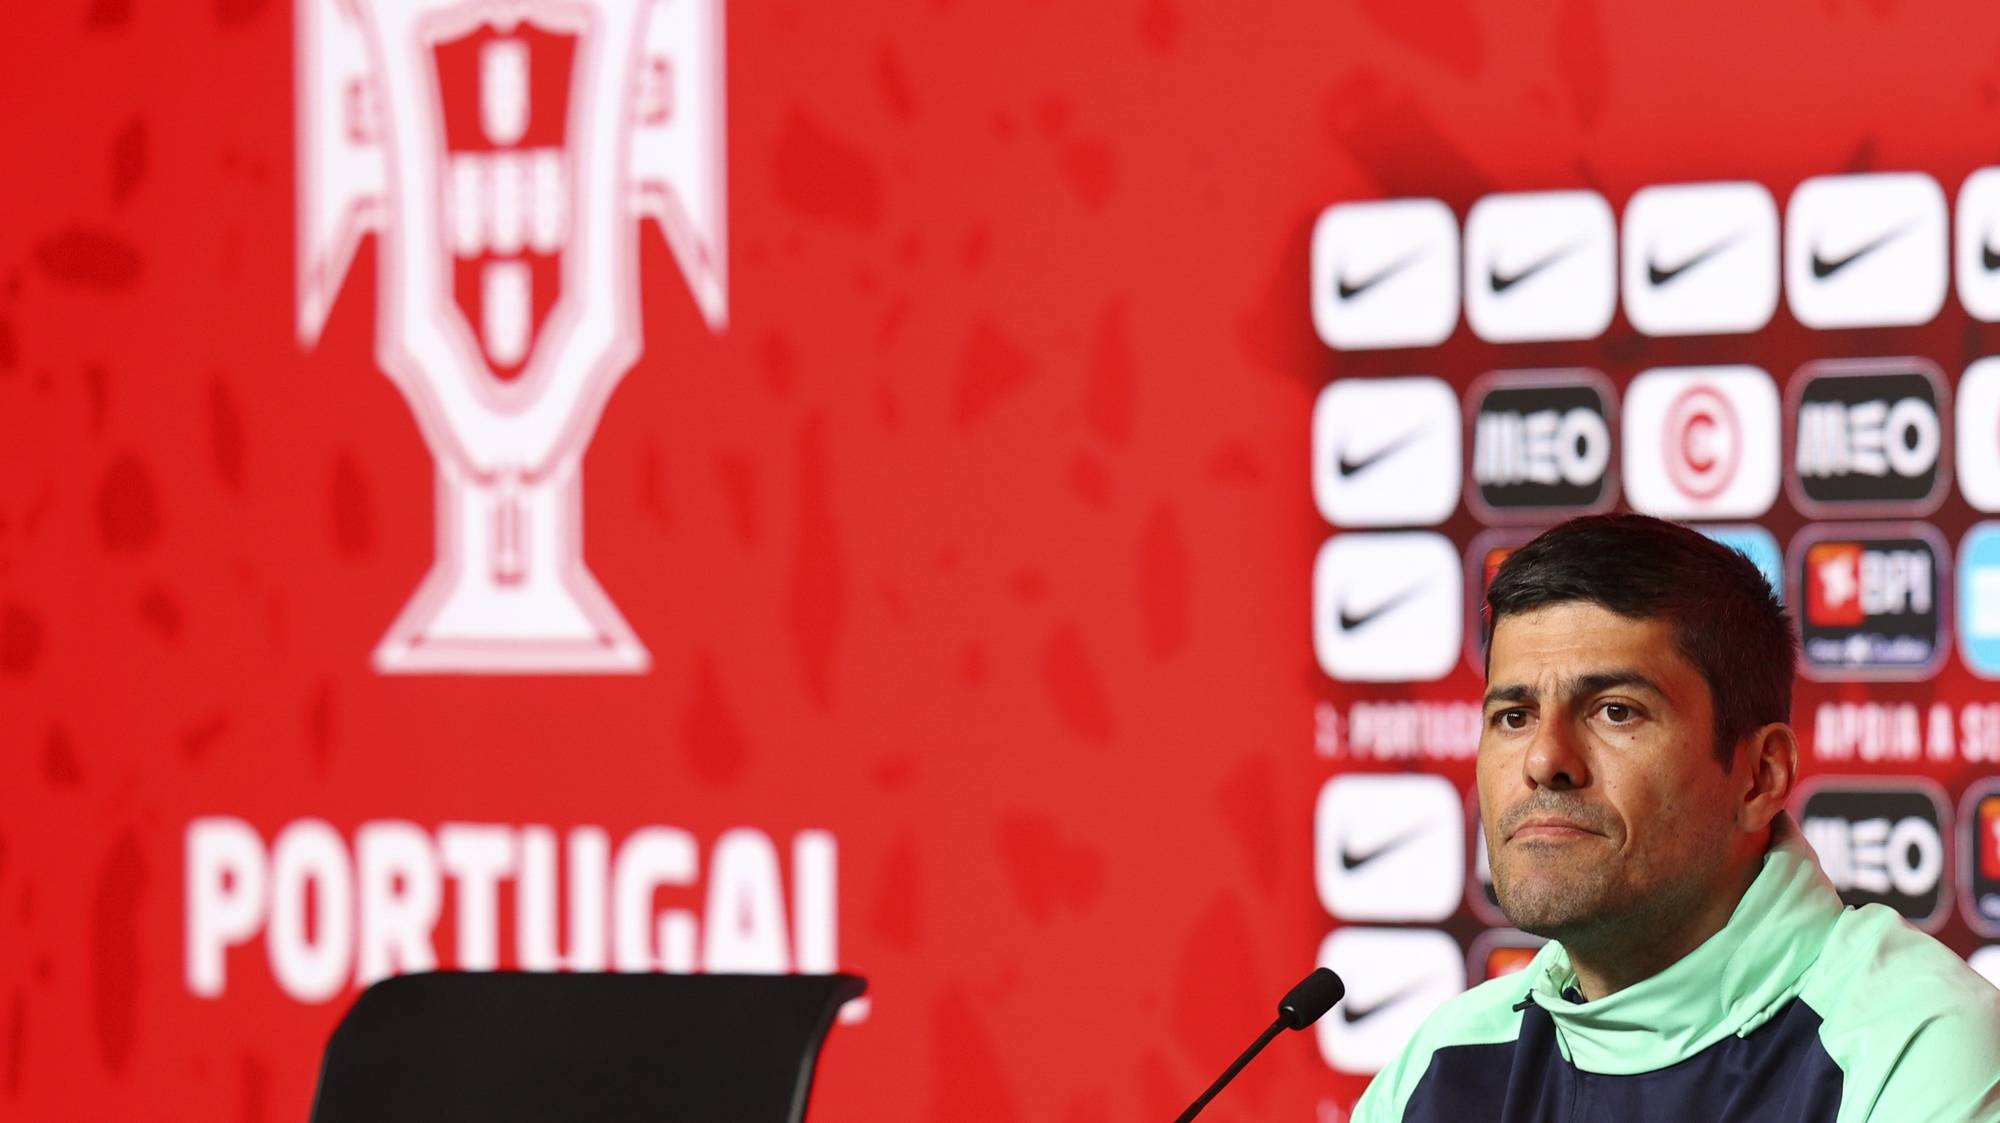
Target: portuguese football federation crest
504	153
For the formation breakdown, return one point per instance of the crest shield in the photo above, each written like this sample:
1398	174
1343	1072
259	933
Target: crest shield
503	152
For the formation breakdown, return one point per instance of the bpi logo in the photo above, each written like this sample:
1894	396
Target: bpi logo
1701	442
503	151
1541	444
1872	605
1880	844
1868	437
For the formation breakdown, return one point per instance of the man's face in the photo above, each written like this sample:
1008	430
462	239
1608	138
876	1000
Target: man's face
1601	798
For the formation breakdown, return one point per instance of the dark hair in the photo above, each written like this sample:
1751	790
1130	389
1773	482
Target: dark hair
1726	619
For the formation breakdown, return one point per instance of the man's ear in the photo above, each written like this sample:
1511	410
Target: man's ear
1771	755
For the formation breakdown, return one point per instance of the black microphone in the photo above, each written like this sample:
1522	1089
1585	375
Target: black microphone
1301	1007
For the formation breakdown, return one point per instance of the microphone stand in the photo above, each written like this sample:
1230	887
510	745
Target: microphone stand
1277	1025
1301	1007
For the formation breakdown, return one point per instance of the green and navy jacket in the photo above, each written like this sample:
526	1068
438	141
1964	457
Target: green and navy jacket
1799	1009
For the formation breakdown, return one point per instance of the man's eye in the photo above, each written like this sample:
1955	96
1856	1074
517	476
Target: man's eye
1514	720
1617	713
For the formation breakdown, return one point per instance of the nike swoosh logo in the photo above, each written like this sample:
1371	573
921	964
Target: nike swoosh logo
1349	621
1986	255
1350	289
1351	1012
1501	282
1350	860
1348	466
1660	276
1824	267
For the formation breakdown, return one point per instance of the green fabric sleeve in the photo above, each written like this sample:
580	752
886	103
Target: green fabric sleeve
1915	1031
1949	1069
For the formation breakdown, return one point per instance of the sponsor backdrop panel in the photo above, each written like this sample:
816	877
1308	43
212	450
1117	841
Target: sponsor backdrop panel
991	498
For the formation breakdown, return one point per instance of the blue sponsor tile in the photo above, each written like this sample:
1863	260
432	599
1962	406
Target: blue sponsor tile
1979	599
1755	543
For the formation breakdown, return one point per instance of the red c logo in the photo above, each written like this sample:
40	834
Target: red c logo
1702	443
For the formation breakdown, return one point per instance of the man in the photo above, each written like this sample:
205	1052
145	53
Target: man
1633	769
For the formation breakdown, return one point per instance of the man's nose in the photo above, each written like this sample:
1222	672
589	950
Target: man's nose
1555	758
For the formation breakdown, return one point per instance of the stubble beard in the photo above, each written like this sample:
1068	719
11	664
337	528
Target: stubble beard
1551	902
1558	903
1594	905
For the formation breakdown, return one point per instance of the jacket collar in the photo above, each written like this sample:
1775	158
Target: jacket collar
1734	982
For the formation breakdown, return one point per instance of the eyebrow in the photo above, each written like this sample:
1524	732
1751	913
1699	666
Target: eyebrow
1582	686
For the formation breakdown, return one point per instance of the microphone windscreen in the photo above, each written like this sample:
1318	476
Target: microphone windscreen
1314	996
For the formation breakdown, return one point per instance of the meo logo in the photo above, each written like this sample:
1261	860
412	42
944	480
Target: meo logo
1869	437
1541	444
1880	844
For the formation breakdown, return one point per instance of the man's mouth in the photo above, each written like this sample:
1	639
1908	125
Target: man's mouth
1551	828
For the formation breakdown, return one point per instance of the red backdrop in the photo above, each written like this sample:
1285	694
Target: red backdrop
981	538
